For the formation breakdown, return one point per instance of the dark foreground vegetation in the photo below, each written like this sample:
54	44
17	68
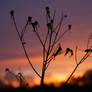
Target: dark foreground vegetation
79	84
45	88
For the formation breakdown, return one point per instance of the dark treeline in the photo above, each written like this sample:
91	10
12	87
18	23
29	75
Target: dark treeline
45	88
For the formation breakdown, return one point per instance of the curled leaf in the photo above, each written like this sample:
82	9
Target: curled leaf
69	50
88	50
58	51
34	25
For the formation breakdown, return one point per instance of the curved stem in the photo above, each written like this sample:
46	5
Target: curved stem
24	48
81	61
59	26
61	36
76	55
29	60
40	40
72	73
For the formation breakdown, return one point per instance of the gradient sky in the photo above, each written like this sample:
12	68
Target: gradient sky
11	54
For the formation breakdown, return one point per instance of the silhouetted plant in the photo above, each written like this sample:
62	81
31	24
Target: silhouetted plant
51	45
87	51
20	78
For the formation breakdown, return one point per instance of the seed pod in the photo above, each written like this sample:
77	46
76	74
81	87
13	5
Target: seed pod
12	12
69	26
47	8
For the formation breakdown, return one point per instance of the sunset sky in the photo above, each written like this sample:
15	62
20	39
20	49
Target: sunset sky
11	53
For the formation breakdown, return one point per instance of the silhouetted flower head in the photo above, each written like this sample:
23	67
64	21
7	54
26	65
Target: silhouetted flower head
69	26
36	22
7	69
47	8
29	19
52	21
69	50
12	12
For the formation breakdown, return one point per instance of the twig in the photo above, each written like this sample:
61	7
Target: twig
61	20
78	63
76	55
61	35
24	48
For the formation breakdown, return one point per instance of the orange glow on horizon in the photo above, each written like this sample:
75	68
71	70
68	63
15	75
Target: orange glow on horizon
62	66
54	79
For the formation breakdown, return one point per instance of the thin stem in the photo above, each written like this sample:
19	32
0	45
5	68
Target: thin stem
51	47
46	37
24	48
29	61
54	15
40	40
16	26
90	38
61	20
24	29
76	55
72	73
81	61
88	42
50	42
61	35
14	75
48	63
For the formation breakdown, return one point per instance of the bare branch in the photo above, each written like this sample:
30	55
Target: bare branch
23	30
24	47
76	55
48	44
90	38
30	61
61	36
78	63
60	23
14	75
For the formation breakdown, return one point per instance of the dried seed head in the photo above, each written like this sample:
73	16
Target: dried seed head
69	50
52	21
47	8
6	69
12	12
29	19
69	26
36	22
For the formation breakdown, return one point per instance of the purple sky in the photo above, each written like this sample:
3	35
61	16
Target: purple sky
79	12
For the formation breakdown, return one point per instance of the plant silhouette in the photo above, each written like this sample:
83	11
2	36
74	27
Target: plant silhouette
51	45
20	78
88	52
